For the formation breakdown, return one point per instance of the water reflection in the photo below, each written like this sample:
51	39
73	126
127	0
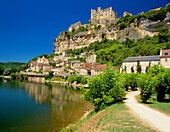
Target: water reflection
66	105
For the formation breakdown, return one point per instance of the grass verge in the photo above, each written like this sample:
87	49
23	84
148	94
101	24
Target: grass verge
114	118
163	107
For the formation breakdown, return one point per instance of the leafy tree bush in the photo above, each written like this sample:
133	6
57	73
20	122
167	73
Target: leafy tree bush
145	83
51	73
105	89
25	77
47	77
1	70
71	79
163	35
156	15
139	69
13	75
7	71
122	25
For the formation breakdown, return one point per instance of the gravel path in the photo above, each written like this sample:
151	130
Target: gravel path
152	117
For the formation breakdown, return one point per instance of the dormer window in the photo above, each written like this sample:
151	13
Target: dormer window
166	53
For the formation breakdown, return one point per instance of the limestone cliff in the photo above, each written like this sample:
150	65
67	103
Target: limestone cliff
138	29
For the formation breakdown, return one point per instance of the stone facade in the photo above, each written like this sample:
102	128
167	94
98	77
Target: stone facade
91	59
103	16
75	26
126	13
144	61
138	29
165	58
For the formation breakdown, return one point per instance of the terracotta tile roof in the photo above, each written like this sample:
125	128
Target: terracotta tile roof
165	53
116	68
87	66
101	67
33	62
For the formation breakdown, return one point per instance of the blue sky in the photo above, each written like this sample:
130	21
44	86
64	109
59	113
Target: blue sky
28	27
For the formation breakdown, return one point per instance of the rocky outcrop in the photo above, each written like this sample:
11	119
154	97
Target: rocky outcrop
138	29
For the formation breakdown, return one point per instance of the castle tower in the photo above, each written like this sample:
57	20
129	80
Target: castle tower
102	16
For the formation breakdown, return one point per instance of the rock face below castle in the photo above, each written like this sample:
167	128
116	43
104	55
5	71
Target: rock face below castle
138	29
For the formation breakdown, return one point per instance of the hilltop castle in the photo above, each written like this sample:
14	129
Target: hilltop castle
102	16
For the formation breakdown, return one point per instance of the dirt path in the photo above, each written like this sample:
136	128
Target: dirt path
154	118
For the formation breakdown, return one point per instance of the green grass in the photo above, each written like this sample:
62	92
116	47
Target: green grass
116	118
163	107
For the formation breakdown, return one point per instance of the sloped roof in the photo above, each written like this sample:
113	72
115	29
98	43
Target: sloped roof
164	53
142	58
87	66
101	67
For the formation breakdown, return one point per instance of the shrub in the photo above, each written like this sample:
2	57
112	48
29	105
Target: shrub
48	76
71	79
25	77
66	77
163	35
145	83
105	89
13	75
122	26
7	71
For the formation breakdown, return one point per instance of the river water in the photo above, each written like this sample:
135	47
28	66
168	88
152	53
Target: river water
33	107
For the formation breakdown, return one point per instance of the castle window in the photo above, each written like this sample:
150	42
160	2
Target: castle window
166	60
166	53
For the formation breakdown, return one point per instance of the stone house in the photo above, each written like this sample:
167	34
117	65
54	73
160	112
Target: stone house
165	58
86	69
97	69
42	60
144	61
42	64
75	64
58	70
92	69
91	59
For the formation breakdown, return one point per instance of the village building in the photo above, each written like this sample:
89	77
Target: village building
97	69
92	69
91	59
41	65
165	58
131	62
144	61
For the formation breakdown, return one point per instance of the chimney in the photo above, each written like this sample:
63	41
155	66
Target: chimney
139	56
160	51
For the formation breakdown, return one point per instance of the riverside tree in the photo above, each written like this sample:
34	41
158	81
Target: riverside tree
105	89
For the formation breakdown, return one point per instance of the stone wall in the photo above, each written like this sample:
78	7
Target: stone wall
138	29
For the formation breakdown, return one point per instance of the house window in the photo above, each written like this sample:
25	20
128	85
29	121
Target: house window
166	60
166	53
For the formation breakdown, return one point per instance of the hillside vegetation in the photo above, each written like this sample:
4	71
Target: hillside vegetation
113	53
12	66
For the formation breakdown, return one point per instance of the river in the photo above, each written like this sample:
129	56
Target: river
34	107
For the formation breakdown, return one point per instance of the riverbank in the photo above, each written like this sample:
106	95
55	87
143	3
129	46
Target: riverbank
6	77
116	117
64	83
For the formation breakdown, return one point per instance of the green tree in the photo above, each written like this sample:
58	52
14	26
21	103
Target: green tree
139	68
122	26
1	70
105	89
7	71
163	35
145	83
